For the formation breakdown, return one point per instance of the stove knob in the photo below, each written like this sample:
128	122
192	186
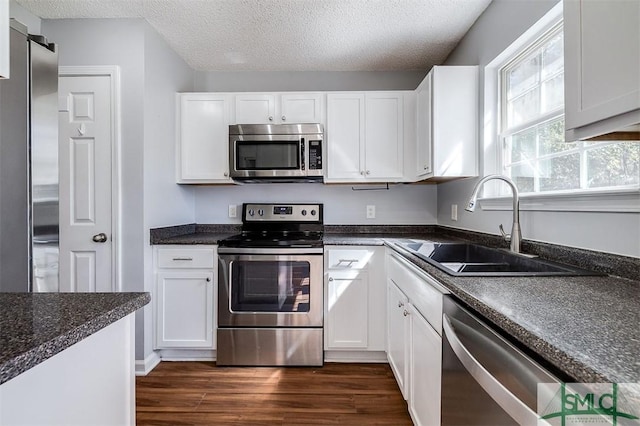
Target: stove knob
313	212
260	212
304	212
251	212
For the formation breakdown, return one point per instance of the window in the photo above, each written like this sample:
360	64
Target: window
532	149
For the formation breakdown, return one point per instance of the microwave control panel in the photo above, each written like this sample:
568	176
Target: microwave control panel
315	155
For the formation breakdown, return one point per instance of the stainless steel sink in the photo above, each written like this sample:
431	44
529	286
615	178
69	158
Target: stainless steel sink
467	259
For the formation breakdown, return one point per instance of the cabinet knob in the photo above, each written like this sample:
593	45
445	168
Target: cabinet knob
270	118
405	313
208	279
368	172
362	173
226	174
284	118
400	304
330	278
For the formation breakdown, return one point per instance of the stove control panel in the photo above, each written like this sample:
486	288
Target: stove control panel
282	213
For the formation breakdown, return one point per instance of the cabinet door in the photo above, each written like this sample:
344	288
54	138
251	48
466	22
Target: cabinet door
184	309
424	370
347	310
398	335
454	125
255	109
384	149
424	122
345	136
301	108
203	138
602	64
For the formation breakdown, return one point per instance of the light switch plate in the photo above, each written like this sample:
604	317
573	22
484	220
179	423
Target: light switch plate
454	212
233	210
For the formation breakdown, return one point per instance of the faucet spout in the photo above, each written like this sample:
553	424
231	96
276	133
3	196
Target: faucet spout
516	235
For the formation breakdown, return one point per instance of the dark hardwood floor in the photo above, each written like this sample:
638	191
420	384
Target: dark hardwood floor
199	393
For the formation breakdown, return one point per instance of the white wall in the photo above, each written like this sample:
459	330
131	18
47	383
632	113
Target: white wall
401	204
501	24
165	203
150	75
25	17
251	81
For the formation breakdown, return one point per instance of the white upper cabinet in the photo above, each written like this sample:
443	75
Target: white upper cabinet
202	150
384	148
447	124
344	136
602	67
274	108
365	136
255	109
4	39
301	108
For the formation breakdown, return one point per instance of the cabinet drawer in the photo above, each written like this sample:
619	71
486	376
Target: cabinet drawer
348	258
416	285
186	258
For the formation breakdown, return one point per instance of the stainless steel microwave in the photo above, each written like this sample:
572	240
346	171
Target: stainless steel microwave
276	152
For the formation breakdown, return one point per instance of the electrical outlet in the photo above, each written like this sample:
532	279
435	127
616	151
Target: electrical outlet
454	212
233	210
371	212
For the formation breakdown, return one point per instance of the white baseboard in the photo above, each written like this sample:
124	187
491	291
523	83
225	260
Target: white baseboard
187	355
355	356
144	367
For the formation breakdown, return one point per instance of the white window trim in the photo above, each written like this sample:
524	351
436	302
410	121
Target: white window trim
617	200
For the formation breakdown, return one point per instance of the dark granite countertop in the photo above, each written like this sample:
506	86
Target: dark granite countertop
585	326
588	327
36	326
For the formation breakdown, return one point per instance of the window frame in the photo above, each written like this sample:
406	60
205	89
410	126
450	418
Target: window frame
618	199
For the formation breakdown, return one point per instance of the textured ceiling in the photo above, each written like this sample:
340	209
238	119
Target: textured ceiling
292	35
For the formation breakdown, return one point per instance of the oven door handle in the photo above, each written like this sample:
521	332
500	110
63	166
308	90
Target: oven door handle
270	250
496	390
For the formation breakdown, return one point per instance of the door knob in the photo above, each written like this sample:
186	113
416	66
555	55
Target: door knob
100	238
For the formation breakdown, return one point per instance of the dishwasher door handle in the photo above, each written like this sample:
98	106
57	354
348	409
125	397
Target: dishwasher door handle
496	390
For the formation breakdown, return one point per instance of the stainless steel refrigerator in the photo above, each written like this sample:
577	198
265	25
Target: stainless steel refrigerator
29	166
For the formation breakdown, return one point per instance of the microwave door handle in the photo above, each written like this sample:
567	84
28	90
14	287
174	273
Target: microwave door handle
302	154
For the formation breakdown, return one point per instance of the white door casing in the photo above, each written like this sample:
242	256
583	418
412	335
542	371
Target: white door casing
88	179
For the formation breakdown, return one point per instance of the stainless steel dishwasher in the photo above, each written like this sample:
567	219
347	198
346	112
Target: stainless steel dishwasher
486	380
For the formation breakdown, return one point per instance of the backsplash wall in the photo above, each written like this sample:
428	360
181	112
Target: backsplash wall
401	204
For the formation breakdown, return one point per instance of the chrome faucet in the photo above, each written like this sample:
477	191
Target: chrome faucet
516	236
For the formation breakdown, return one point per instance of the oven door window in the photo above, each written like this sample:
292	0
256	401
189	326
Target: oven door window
270	286
271	155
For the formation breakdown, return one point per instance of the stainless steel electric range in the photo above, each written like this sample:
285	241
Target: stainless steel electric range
270	280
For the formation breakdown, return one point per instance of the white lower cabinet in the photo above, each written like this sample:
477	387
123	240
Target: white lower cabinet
354	320
425	363
185	297
414	342
348	310
398	335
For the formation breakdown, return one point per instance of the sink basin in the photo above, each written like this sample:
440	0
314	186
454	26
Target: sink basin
466	259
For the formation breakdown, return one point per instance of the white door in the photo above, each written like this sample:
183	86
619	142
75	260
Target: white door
85	183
